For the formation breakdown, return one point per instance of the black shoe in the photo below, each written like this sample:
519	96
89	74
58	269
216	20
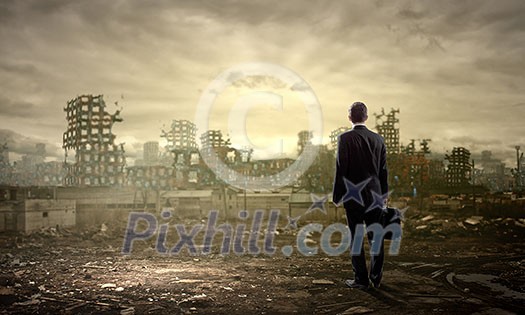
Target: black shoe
354	285
376	284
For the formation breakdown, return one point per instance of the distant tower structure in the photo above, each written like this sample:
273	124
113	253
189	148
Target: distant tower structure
5	168
386	127
335	134
246	154
40	149
181	136
459	167
304	139
213	139
98	160
423	145
4	154
518	171
151	153
40	154
29	162
182	148
410	149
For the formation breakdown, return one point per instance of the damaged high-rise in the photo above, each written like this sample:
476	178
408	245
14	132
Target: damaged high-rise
97	161
334	136
304	138
458	168
182	146
151	153
386	126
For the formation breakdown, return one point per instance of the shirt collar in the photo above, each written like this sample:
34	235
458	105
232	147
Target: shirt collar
358	124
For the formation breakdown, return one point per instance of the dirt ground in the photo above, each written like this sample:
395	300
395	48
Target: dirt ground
448	264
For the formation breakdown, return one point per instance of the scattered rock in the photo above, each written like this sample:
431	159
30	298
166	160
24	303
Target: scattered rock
28	302
357	310
427	218
128	311
519	223
108	286
322	282
474	220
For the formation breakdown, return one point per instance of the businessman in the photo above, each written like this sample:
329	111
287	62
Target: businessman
361	186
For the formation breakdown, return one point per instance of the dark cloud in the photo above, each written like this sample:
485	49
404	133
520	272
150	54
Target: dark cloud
411	14
6	10
504	63
16	109
19	68
471	141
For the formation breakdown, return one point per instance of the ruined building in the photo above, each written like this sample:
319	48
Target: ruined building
492	173
181	135
151	153
519	171
50	174
386	126
24	172
97	161
213	141
5	167
334	136
304	139
157	177
182	148
411	149
458	168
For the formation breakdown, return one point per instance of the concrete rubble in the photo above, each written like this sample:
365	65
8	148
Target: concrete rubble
82	271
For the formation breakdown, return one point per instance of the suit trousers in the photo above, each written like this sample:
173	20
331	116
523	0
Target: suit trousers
355	217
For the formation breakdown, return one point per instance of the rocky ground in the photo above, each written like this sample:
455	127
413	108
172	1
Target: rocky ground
448	264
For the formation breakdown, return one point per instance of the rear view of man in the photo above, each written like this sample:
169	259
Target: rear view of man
361	186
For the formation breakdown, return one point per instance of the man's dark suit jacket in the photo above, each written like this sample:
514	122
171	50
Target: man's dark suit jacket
361	155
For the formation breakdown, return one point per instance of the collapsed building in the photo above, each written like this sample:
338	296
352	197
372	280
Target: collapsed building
334	136
386	126
98	161
182	147
459	167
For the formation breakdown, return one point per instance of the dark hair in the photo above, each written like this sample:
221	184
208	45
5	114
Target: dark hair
358	112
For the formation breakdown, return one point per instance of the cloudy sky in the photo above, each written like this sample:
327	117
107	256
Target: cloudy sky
453	68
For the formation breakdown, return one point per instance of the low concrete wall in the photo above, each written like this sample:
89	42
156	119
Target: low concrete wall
44	213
